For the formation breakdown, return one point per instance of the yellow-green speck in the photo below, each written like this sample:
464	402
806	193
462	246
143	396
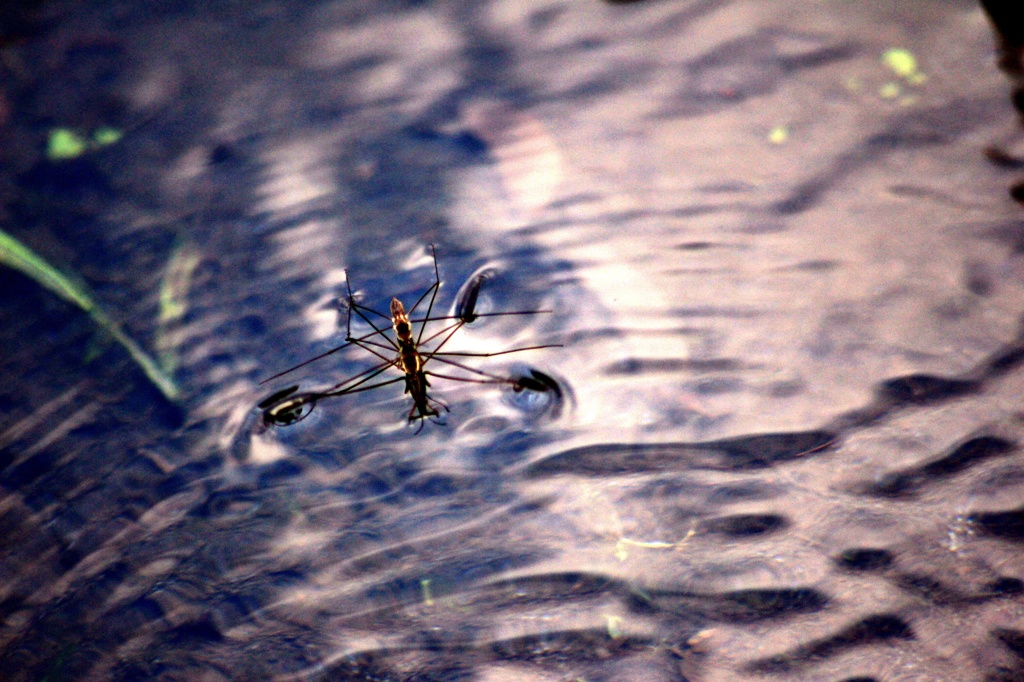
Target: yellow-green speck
890	90
614	626
64	144
778	134
902	63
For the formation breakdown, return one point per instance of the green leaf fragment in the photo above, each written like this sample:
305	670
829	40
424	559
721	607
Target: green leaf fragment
65	144
176	282
428	596
174	289
16	255
105	135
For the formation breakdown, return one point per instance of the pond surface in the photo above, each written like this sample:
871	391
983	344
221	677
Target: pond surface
772	418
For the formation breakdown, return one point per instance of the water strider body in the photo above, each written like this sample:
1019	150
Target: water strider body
411	363
407	353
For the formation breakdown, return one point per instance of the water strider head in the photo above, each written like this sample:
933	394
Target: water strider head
400	321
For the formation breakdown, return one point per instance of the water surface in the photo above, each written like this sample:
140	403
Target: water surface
784	281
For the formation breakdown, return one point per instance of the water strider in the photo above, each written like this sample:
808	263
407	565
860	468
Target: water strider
407	352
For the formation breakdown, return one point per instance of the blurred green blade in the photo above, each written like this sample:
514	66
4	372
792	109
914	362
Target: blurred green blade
18	256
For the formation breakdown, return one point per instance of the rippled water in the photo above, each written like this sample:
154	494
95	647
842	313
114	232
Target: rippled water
784	286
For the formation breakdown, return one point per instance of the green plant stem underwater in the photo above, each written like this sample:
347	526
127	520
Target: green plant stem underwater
20	257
